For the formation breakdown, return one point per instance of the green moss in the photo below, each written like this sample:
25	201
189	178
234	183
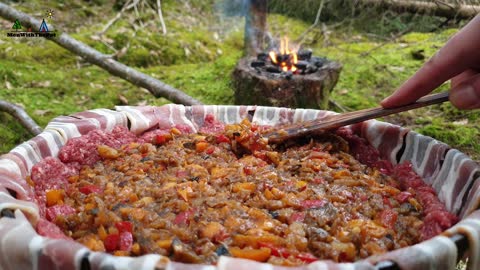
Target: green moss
465	137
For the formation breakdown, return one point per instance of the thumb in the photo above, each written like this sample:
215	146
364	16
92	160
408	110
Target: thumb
466	95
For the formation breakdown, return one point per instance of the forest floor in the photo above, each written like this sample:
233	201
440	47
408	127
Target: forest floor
200	51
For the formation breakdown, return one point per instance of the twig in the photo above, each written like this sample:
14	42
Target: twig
393	38
334	104
154	86
25	120
116	18
315	23
160	16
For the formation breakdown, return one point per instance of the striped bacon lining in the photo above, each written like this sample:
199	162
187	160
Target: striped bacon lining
455	177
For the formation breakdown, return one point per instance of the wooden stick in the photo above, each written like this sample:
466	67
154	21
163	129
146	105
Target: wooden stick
160	16
344	119
156	87
25	120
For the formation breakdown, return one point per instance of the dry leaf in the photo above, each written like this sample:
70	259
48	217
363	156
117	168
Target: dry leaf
8	85
461	122
123	99
142	103
41	112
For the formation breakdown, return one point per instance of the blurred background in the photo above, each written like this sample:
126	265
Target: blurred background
379	46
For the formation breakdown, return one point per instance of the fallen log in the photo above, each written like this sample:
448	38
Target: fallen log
156	87
18	113
436	8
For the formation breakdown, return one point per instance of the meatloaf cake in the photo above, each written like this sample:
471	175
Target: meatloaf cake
225	192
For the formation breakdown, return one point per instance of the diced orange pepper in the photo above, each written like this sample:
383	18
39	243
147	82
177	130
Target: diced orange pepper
340	174
107	152
183	193
165	244
260	255
249	186
211	230
201	146
268	194
136	249
121	253
72	179
300	184
133	197
175	131
102	233
54	196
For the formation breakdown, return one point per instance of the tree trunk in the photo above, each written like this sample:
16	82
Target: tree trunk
295	91
436	8
255	27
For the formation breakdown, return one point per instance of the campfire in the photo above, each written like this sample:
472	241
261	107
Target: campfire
287	61
285	77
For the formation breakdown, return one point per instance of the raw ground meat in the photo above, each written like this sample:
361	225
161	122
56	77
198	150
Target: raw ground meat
83	150
437	218
211	125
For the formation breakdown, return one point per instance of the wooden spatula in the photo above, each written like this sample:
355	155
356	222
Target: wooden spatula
335	121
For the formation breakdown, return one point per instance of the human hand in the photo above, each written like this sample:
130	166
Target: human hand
458	60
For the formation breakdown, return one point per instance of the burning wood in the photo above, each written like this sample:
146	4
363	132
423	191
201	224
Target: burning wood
287	61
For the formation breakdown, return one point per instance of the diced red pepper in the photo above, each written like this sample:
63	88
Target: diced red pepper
260	155
248	170
90	189
160	139
308	204
276	251
111	242
319	180
386	202
388	217
363	197
210	150
403	196
306	257
222	139
124	226
285	253
181	174
126	241
297	217
183	218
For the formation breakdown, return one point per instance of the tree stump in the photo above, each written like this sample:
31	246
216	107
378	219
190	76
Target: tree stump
254	86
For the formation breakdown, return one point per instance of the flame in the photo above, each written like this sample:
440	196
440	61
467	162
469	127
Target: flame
289	57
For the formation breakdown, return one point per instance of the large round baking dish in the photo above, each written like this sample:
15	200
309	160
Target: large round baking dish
454	176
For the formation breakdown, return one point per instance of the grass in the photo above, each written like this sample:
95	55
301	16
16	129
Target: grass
198	55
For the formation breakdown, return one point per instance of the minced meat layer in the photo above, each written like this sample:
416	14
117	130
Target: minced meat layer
195	197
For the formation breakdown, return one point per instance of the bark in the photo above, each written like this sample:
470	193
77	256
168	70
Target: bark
436	8
24	119
255	27
156	87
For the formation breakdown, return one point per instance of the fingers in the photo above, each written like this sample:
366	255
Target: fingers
440	68
461	52
462	77
466	95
